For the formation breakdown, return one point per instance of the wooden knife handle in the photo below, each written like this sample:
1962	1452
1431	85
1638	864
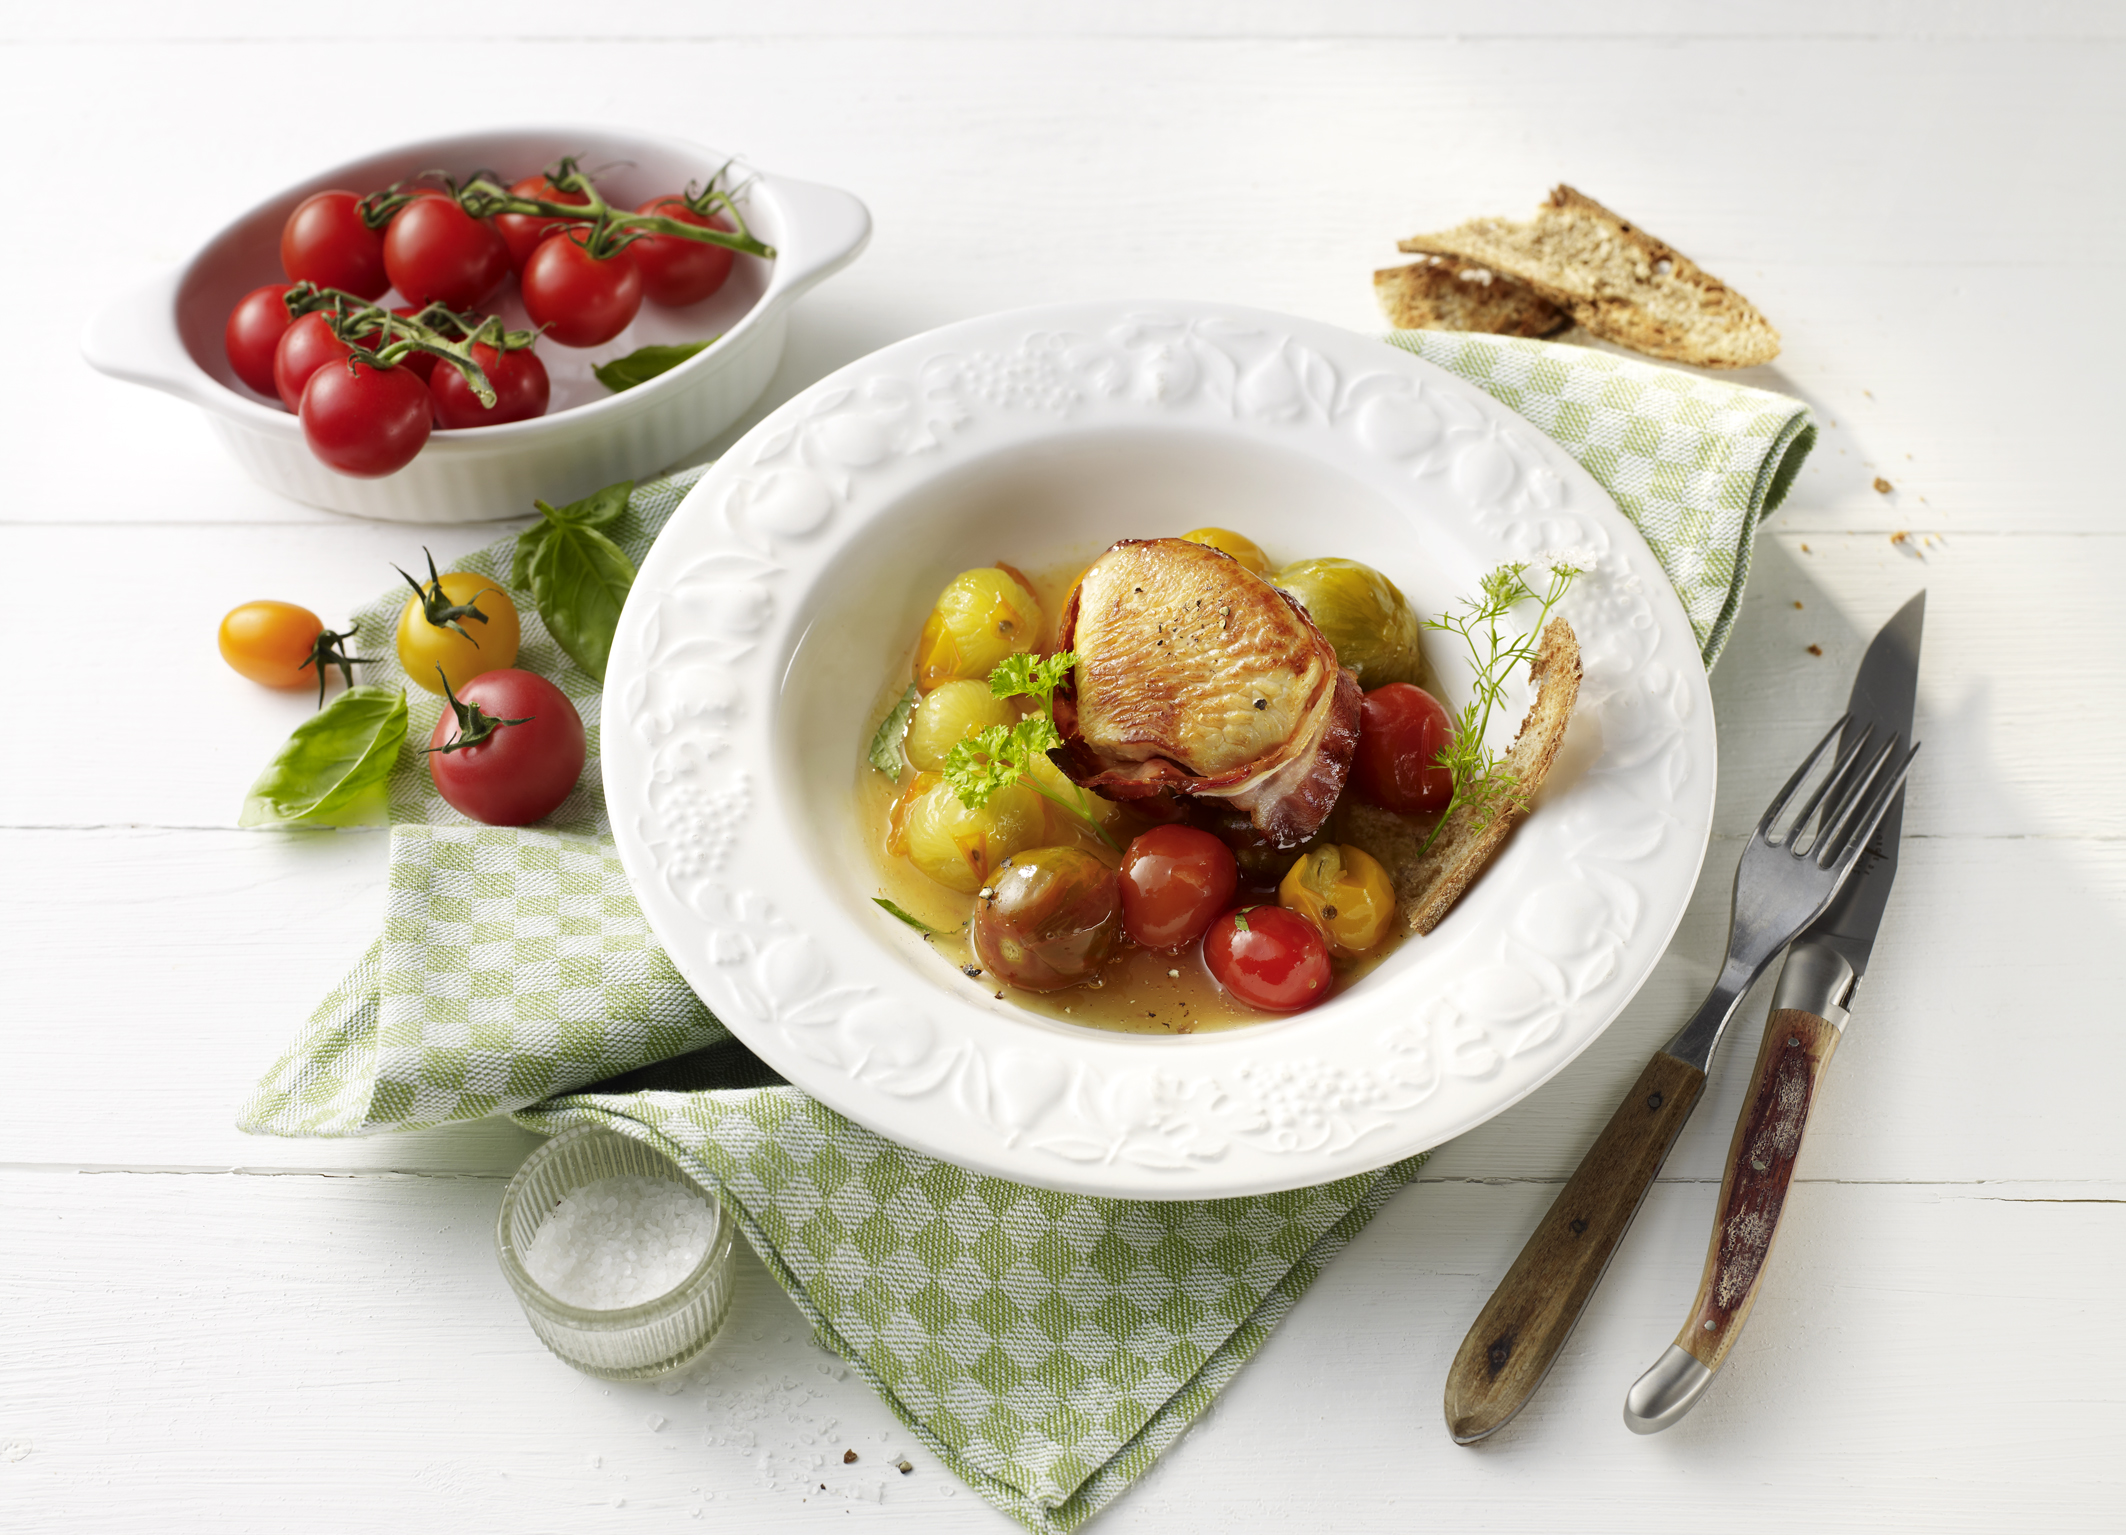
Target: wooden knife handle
1519	1333
1760	1164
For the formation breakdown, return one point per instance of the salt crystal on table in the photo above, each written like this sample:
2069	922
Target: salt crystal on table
620	1242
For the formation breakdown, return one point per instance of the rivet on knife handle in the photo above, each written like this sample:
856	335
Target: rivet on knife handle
1518	1335
1760	1165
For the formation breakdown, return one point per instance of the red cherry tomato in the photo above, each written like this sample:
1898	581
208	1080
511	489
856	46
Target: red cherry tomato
1175	881
520	772
437	253
521	389
1401	732
581	299
1268	958
254	333
326	242
305	347
678	272
522	232
363	421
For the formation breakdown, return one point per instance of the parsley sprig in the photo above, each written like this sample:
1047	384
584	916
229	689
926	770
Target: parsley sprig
987	764
1481	780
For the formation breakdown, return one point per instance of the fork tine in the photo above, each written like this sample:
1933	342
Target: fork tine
1877	805
1808	763
1841	778
1831	844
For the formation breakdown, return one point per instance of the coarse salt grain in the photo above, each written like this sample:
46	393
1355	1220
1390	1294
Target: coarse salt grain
620	1242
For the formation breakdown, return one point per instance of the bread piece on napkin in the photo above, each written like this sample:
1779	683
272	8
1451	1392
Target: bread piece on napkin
1437	293
1617	280
1429	881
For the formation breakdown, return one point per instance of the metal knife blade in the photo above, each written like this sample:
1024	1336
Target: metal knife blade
1827	961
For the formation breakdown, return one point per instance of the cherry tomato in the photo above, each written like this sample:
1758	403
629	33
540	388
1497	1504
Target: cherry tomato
1346	893
254	333
269	642
476	645
521	389
1175	881
521	771
522	232
363	421
437	253
1047	918
1269	958
678	272
581	299
326	242
1401	732
305	347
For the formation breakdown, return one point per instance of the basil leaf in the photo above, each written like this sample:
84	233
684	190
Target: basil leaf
527	545
885	753
915	922
593	511
580	580
645	363
332	771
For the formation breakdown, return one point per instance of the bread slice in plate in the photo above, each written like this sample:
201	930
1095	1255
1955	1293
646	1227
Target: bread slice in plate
1429	880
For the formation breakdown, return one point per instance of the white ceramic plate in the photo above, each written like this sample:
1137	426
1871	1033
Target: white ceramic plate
167	334
785	594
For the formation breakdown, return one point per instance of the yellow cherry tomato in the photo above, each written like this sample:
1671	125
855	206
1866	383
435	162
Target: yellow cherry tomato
269	642
981	617
1225	541
461	622
1344	892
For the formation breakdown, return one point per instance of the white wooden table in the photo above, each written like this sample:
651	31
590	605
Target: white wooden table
201	1330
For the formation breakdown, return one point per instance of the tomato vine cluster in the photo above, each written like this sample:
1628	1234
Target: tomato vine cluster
371	379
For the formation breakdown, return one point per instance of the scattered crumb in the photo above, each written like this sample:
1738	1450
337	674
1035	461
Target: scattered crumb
905	1468
1815	650
848	1457
1000	996
1176	974
1882	486
1804	548
1869	393
1797	607
972	972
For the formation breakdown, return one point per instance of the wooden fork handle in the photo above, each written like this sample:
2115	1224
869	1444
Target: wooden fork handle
1520	1332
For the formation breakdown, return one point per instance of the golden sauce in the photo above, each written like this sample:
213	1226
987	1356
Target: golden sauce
1138	991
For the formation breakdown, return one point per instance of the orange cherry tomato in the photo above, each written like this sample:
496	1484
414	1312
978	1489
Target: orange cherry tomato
269	642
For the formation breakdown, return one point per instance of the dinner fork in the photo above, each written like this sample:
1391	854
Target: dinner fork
1789	872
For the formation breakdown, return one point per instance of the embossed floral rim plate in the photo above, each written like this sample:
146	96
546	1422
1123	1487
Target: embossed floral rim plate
782	601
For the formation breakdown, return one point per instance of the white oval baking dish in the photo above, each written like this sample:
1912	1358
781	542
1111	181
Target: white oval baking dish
167	334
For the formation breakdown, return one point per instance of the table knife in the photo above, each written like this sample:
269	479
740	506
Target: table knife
1810	1007
1521	1330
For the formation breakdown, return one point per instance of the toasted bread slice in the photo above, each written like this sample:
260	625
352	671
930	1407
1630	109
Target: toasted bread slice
1617	280
1428	881
1435	293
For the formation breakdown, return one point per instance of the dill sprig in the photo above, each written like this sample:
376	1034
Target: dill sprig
985	765
1481	781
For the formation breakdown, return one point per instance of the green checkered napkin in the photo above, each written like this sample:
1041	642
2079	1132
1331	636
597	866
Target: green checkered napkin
1048	1347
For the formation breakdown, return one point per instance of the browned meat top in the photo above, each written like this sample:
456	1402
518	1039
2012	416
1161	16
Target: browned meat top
1185	654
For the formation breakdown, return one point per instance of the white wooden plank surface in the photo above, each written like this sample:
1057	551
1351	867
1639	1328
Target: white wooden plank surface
198	1329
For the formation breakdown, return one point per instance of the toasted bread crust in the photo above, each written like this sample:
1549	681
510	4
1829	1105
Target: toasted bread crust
1436	293
1617	280
1428	881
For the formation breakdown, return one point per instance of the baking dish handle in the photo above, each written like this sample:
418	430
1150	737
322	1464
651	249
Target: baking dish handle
825	229
134	337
